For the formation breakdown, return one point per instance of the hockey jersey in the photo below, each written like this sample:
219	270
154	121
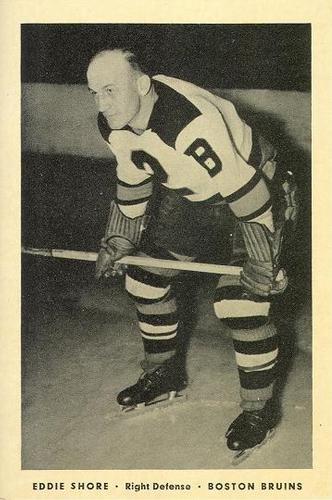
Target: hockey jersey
197	145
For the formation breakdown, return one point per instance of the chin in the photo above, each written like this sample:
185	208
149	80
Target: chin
116	123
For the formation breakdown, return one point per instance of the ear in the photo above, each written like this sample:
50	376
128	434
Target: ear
143	85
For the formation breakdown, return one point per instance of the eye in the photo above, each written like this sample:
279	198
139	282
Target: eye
109	90
92	92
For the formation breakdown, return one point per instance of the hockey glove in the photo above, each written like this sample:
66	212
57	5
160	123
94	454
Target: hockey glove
111	251
261	274
122	237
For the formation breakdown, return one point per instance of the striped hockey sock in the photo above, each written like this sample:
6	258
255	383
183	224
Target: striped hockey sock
256	353
156	312
254	338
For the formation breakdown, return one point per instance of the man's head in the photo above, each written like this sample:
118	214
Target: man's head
119	86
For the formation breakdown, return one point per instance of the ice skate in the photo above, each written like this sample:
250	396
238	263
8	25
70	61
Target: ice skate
251	430
162	384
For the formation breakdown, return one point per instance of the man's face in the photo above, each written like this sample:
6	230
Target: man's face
113	82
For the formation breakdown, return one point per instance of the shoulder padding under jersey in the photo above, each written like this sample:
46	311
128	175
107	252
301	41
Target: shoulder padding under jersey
171	113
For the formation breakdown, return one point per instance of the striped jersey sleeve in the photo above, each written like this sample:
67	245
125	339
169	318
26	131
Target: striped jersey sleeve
134	185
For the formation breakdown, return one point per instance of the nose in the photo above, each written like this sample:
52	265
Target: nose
103	101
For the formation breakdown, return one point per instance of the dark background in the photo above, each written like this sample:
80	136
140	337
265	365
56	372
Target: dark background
269	56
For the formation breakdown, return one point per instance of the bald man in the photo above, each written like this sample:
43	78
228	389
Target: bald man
170	133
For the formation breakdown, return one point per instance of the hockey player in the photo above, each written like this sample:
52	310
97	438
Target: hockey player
167	132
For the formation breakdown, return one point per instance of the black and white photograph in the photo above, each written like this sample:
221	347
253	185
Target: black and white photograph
166	247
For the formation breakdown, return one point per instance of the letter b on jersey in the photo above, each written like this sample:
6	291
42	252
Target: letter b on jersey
201	150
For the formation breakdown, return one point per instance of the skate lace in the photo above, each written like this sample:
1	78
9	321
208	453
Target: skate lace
252	418
150	377
161	375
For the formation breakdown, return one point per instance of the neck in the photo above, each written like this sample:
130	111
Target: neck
140	122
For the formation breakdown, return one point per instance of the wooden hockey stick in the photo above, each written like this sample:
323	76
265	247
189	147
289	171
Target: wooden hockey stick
137	261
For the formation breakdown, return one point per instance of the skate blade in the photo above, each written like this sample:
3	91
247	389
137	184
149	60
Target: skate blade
171	397
242	455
